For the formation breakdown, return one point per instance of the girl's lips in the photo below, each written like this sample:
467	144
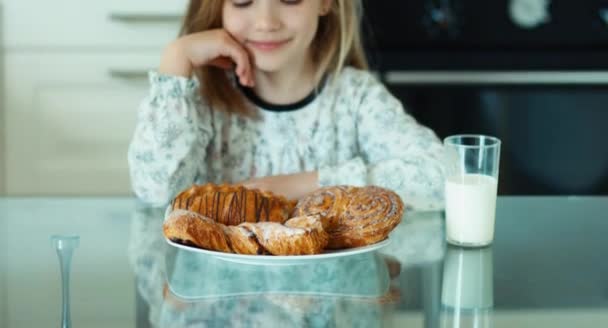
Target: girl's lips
267	45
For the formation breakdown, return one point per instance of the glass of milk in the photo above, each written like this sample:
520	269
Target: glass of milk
470	189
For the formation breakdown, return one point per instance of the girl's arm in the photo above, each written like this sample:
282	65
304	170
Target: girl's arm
395	152
292	186
171	135
174	128
212	47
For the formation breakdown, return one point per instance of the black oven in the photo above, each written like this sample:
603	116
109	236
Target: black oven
532	72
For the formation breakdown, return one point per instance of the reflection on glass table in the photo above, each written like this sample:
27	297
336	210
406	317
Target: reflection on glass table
467	294
199	289
548	267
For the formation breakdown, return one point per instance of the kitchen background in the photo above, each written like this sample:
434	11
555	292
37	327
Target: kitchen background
532	72
72	73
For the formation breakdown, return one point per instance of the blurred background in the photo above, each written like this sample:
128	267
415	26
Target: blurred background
532	72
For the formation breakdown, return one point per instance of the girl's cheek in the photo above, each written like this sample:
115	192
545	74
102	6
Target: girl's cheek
234	24
238	32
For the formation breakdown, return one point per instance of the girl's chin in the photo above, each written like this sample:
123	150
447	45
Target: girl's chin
268	69
270	64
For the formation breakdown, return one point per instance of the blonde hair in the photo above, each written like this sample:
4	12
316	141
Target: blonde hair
337	44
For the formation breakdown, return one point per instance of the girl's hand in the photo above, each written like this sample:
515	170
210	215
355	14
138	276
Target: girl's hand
293	186
213	47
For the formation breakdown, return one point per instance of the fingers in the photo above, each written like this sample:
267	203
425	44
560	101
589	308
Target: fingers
218	48
240	57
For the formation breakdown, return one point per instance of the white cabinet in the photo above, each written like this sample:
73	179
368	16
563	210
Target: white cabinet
69	121
89	23
74	74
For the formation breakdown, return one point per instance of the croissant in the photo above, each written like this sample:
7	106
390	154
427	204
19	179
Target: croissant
353	216
298	236
233	205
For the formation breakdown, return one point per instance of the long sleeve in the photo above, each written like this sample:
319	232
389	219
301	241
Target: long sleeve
172	132
395	151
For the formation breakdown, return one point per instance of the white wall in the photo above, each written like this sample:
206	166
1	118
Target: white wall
2	118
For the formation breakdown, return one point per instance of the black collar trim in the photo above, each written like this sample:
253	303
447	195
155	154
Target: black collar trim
256	100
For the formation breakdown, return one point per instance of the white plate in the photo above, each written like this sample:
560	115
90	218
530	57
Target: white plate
282	260
278	260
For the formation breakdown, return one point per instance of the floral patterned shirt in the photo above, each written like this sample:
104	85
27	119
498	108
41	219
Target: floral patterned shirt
353	132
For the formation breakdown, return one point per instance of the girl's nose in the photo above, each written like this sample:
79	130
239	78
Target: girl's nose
267	18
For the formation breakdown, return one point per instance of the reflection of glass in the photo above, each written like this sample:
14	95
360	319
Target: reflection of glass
65	246
467	296
470	189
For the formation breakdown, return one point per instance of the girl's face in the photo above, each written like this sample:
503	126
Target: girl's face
277	33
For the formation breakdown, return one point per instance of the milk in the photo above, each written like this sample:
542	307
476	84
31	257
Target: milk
470	209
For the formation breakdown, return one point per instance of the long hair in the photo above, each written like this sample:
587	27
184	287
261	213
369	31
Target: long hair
337	44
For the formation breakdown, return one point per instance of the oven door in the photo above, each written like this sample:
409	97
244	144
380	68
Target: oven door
554	135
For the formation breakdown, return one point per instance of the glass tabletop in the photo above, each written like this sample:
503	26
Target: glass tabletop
546	268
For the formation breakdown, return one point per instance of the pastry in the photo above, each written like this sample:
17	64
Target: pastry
234	204
327	202
353	216
297	236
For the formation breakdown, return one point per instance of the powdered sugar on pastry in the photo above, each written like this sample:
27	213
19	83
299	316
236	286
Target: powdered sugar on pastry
300	236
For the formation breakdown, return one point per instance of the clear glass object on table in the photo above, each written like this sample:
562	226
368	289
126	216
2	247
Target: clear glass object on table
472	165
65	246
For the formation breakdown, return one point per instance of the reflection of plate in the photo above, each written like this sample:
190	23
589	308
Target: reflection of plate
283	260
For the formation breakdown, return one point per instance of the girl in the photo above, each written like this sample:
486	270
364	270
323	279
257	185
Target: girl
275	95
